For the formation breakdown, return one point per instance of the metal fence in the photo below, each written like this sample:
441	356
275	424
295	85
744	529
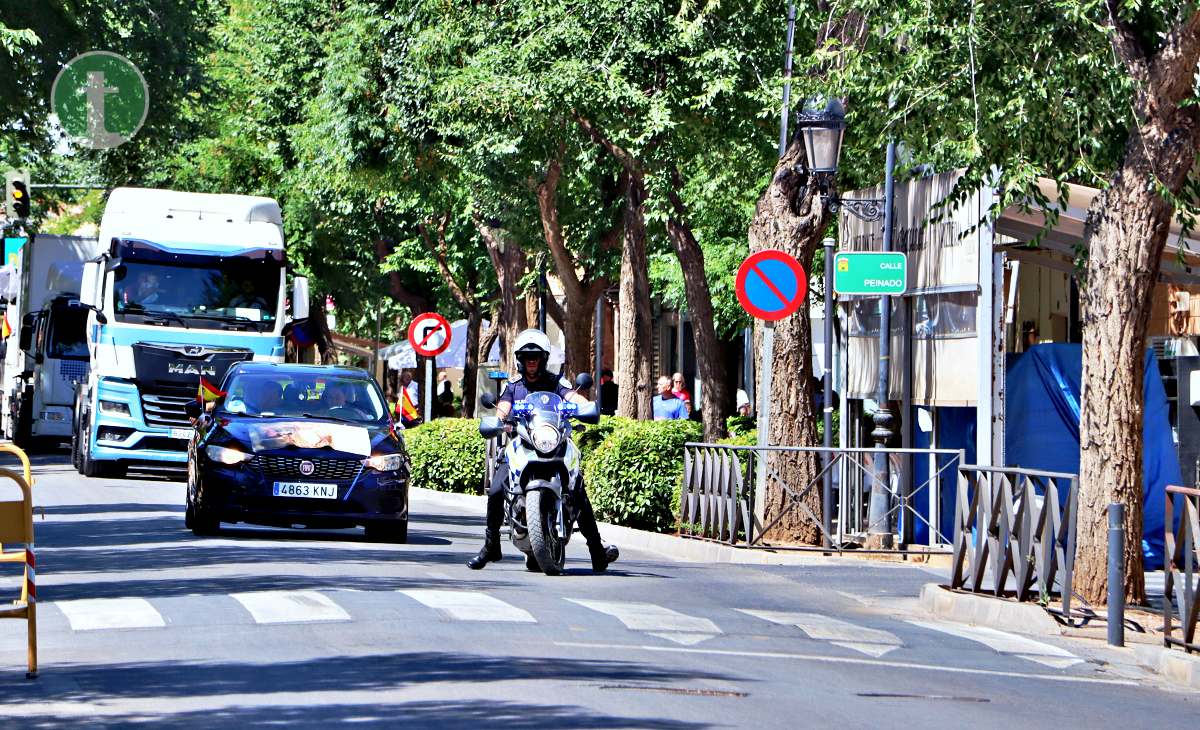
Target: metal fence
719	501
1015	525
1180	558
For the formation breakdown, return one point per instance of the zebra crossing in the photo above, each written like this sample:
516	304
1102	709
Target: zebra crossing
282	607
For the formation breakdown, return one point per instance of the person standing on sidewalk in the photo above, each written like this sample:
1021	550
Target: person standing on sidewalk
666	405
679	388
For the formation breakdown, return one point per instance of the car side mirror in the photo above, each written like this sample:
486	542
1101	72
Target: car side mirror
583	381
490	427
194	409
588	413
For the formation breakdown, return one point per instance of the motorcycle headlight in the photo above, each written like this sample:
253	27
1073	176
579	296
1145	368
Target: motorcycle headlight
545	438
226	456
387	462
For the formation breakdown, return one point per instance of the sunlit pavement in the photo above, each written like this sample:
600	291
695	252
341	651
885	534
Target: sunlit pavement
142	622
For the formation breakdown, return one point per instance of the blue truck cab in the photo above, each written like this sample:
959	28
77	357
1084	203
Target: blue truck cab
188	284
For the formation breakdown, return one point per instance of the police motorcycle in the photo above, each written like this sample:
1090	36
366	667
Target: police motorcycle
545	471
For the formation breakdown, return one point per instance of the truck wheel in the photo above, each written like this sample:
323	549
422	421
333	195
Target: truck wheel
548	548
23	432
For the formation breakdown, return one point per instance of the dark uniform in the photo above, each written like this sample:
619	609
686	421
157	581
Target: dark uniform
516	390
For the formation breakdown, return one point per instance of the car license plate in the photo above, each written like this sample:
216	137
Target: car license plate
304	489
181	433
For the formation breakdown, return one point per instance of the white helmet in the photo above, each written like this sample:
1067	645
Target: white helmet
532	343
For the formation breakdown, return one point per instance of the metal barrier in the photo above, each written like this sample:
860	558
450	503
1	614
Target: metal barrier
1180	555
1009	525
718	499
16	527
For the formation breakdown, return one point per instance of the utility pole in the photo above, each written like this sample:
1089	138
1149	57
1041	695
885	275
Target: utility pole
880	523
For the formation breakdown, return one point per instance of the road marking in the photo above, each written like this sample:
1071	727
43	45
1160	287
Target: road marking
91	614
1005	643
290	607
852	660
872	642
656	620
470	606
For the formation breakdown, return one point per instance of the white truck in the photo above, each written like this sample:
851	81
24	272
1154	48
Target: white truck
187	285
48	356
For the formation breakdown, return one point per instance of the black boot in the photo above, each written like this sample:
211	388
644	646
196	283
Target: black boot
489	553
531	563
602	555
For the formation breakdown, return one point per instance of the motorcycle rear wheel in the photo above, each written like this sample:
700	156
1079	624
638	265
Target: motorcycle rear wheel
547	547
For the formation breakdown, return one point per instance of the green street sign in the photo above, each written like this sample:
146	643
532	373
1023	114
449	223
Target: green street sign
101	99
870	272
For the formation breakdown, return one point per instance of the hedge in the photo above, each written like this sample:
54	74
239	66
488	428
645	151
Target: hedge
634	476
447	454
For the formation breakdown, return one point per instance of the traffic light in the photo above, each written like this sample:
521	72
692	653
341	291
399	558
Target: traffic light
16	194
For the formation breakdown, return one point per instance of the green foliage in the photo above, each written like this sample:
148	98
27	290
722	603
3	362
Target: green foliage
634	476
447	454
592	436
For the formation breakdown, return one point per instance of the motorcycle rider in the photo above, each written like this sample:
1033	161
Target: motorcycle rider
532	354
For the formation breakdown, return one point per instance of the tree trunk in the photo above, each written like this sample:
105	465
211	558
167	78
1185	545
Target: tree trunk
710	355
634	379
579	294
791	216
471	363
1126	233
509	261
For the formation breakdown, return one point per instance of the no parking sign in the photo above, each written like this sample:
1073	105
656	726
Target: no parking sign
771	284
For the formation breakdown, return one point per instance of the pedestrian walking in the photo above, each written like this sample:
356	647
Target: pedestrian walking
666	405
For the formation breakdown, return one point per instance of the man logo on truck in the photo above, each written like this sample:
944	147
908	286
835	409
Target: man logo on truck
190	368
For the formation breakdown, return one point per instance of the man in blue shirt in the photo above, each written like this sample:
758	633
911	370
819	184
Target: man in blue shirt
666	406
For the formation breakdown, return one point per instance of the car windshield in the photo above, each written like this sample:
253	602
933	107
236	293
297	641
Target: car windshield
244	292
304	395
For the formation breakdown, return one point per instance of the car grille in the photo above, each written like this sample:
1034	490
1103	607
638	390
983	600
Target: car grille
166	410
289	466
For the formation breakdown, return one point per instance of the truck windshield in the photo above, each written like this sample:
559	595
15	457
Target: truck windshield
231	293
68	333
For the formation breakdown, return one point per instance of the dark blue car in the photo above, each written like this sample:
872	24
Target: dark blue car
298	445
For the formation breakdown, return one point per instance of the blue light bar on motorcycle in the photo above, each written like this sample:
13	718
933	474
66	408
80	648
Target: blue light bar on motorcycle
567	408
522	408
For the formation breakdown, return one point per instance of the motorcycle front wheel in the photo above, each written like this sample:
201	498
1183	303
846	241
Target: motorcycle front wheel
540	517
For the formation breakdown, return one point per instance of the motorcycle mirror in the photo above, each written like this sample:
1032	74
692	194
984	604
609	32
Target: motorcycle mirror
488	400
490	427
583	381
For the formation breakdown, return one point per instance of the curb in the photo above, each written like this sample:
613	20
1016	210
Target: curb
969	608
1173	665
669	546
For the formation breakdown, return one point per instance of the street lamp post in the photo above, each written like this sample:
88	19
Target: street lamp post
822	128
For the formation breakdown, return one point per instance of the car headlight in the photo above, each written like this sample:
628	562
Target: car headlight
387	462
114	408
545	438
226	456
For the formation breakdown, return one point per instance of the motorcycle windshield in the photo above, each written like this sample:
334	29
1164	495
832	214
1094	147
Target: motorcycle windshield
544	408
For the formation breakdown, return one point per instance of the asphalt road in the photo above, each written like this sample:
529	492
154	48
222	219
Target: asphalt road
140	622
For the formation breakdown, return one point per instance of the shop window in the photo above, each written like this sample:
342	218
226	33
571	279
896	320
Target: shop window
943	316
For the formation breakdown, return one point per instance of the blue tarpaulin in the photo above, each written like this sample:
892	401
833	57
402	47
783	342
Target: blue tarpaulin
1041	428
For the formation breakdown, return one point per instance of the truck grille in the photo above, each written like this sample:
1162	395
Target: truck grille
342	470
166	411
73	371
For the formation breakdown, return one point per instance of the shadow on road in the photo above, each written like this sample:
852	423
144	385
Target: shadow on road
159	682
